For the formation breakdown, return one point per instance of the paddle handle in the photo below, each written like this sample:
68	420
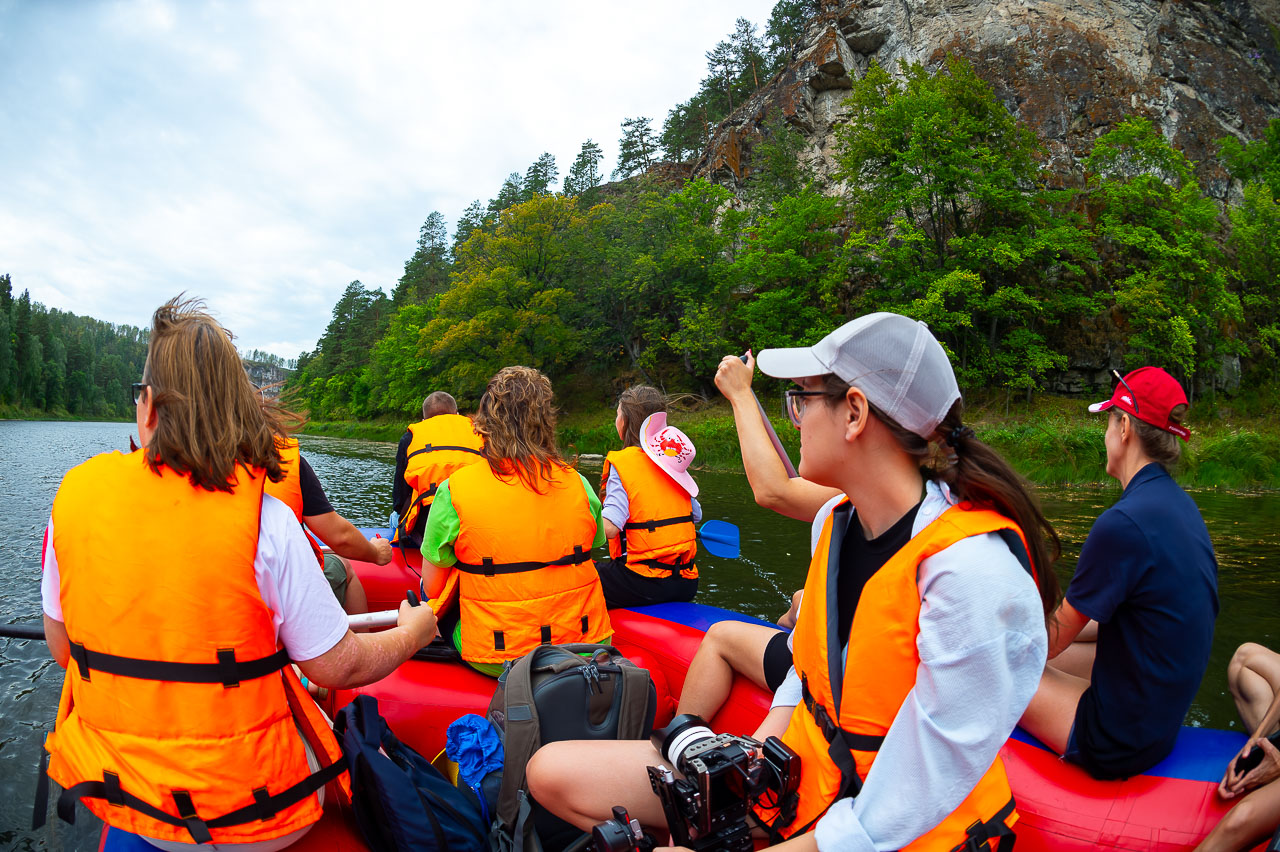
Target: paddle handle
773	436
386	618
22	631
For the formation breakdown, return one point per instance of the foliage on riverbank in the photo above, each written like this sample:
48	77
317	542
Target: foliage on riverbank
1052	441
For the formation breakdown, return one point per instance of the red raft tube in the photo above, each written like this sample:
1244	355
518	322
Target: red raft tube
1061	808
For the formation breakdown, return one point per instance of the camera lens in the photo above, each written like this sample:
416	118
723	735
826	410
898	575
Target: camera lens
684	730
611	836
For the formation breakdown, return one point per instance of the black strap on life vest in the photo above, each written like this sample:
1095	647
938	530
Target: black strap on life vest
658	522
489	568
841	745
993	835
435	448
264	806
671	568
227	671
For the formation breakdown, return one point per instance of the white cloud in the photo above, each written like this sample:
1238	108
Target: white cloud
264	155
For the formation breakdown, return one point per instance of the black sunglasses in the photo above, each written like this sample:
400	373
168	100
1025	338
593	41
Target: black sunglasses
1133	396
137	390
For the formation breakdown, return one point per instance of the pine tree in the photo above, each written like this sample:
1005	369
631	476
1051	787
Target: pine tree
472	219
584	175
540	177
785	30
636	148
426	274
512	192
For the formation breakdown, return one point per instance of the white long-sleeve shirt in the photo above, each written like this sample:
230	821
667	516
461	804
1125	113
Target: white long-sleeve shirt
982	646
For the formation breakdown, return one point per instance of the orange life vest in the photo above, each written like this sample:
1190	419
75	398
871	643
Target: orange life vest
525	560
838	746
659	538
180	713
439	446
289	489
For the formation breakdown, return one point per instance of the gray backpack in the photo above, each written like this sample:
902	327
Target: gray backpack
560	692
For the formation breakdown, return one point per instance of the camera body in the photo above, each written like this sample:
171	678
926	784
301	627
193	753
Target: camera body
724	775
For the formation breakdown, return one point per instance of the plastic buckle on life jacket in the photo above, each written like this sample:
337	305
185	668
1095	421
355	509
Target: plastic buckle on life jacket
111	789
487	563
263	800
227	663
81	657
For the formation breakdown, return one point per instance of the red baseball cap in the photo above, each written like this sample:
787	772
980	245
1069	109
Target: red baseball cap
1149	394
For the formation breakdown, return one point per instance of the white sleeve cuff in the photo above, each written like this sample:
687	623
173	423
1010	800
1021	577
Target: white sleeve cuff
840	831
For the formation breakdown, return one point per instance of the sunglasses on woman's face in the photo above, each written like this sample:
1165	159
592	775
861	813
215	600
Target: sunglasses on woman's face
137	391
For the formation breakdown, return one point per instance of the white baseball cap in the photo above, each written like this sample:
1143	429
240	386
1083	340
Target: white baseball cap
894	360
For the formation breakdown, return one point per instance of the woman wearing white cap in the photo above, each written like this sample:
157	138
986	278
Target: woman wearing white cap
922	635
649	507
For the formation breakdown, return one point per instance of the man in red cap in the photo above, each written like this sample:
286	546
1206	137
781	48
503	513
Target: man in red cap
1130	642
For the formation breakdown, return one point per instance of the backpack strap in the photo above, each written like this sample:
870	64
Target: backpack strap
521	737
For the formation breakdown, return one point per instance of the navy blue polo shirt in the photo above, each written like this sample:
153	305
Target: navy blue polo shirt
1148	576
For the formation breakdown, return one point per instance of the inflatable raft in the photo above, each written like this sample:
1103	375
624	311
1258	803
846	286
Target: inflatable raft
1062	809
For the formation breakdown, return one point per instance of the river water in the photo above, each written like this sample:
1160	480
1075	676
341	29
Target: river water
357	477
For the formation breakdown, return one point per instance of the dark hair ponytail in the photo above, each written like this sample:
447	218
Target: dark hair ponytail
977	474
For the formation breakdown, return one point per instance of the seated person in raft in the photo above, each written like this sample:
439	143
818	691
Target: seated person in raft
1253	676
518	531
939	579
759	653
1130	642
650	507
429	451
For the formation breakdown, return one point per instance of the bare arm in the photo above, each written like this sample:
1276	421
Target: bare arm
610	531
362	658
773	489
344	539
1068	622
55	636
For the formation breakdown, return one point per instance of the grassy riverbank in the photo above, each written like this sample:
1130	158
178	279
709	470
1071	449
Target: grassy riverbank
1052	440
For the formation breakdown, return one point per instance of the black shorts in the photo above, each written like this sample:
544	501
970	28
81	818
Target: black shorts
777	661
625	588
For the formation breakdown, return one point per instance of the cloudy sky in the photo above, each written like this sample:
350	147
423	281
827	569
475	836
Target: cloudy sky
263	155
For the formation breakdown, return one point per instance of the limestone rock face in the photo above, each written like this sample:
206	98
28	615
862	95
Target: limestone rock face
1070	69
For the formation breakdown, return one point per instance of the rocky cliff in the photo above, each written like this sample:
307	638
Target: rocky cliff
1199	69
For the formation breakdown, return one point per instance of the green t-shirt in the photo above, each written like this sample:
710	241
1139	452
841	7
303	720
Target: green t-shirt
443	525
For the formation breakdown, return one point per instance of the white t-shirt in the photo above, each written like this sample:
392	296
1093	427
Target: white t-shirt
307	617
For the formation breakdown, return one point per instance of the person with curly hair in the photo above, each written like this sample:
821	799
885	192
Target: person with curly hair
518	530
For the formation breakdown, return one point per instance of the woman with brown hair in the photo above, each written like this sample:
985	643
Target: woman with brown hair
519	528
181	592
650	506
922	633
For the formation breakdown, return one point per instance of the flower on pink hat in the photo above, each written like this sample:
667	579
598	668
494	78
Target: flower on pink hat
670	449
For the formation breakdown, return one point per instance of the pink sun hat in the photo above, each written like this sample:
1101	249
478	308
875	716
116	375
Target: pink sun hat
670	450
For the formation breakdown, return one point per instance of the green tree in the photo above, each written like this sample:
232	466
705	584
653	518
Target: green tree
686	129
1158	232
943	179
1257	161
584	175
636	148
472	218
511	192
785	29
540	177
426	274
511	302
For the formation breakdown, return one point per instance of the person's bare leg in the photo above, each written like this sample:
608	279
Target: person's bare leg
580	781
1052	710
356	602
728	647
1076	659
1253	676
1252	819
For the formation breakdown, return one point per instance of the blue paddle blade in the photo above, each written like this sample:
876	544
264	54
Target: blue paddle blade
720	538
